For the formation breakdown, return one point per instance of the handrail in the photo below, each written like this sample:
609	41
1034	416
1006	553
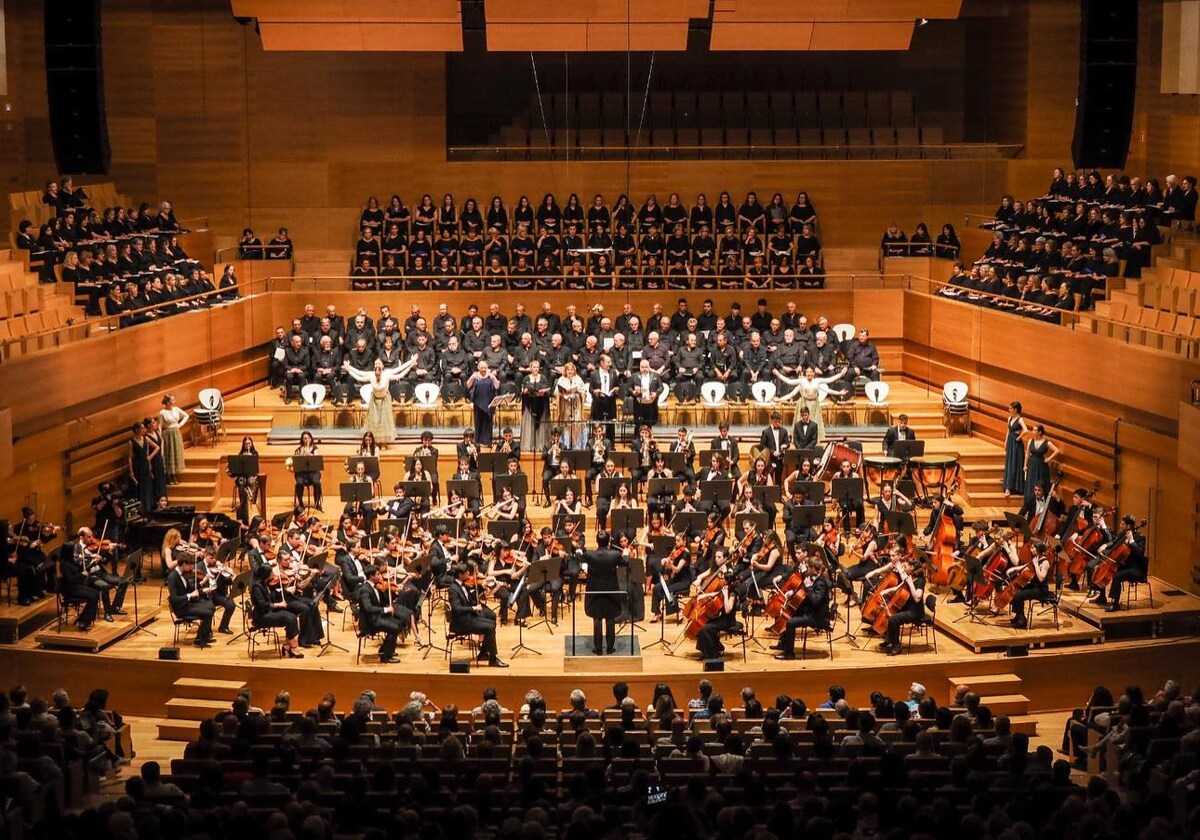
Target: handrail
959	151
877	279
981	218
222	253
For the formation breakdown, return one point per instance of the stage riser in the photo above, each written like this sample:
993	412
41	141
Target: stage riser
1060	679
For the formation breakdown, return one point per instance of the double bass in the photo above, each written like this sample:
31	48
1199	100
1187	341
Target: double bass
1046	522
947	571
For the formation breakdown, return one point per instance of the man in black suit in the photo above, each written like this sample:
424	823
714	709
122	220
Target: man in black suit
646	386
602	578
804	433
376	617
187	602
604	396
468	616
776	439
896	433
729	446
76	587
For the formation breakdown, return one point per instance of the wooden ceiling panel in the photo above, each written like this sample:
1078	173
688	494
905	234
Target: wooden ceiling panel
347	11
362	37
536	37
643	37
613	11
760	35
862	36
835	11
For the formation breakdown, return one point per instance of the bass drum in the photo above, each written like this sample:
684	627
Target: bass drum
836	452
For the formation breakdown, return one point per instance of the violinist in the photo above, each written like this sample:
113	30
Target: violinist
269	609
75	586
289	560
1136	566
467	615
205	536
672	574
90	558
815	611
1037	589
187	601
708	640
306	478
355	567
364	509
830	540
31	579
870	554
377	613
215	580
445	554
506	568
763	567
426	449
913	610
31	537
712	539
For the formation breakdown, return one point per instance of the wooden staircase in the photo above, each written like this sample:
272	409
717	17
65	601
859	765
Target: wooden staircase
1001	693
195	700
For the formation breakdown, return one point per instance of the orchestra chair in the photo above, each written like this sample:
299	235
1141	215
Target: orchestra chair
1051	605
713	393
312	397
925	626
877	394
209	415
1132	588
763	393
359	632
256	635
471	640
739	631
64	602
828	634
426	394
956	412
181	625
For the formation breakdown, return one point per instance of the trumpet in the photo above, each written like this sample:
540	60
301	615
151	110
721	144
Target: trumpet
288	463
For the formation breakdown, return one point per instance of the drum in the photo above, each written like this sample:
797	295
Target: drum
879	470
836	452
933	472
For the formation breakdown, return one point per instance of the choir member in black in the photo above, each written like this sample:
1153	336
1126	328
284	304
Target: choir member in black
863	358
814	612
378	613
111	587
912	611
708	640
469	617
897	433
804	433
646	386
604	388
269	609
215	581
296	363
1038	589
1135	568
187	601
600	602
307	478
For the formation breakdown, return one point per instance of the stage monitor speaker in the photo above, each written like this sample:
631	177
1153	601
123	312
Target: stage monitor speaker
460	666
714	664
1107	84
170	654
75	87
1017	650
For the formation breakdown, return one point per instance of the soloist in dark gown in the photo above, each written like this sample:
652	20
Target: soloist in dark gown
1014	458
142	475
482	394
1036	470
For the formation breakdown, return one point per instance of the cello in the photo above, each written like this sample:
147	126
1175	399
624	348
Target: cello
707	604
1046	523
1019	581
785	600
891	604
1081	546
876	604
1116	557
993	572
942	544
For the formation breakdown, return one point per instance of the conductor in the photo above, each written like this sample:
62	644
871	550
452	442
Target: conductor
605	605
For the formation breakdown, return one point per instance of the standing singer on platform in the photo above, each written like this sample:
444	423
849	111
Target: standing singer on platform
603	607
570	390
807	392
172	419
483	386
535	408
379	418
647	385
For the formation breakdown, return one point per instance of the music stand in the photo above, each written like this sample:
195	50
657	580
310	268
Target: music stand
690	522
504	529
452	524
704	456
327	643
418	567
559	520
807	516
610	483
492	461
467	488
417	489
717	491
1018	523
355	492
663	487
579	459
246	466
132	570
542	573
906	450
760	521
398	525
370	463
766	494
848	493
793	457
674	461
512	601
627	519
623	459
517	484
429	462
661	546
900	522
558	486
813	491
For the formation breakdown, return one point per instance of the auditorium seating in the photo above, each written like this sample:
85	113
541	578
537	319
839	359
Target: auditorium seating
30	311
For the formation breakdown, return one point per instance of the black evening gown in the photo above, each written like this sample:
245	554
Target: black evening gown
1014	458
1036	469
141	474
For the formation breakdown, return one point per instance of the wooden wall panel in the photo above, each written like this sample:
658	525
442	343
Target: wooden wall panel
1189	439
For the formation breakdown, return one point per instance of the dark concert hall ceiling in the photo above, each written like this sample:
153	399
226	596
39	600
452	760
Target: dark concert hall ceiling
588	25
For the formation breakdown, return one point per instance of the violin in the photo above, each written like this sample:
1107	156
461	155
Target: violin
94	543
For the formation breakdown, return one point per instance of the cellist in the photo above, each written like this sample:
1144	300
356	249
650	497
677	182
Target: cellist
1135	568
913	610
814	610
708	640
980	548
1037	589
1041	506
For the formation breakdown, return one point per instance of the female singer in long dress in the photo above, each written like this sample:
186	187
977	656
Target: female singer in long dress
154	452
569	391
808	394
379	420
483	386
139	469
172	419
535	409
1037	466
1014	451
